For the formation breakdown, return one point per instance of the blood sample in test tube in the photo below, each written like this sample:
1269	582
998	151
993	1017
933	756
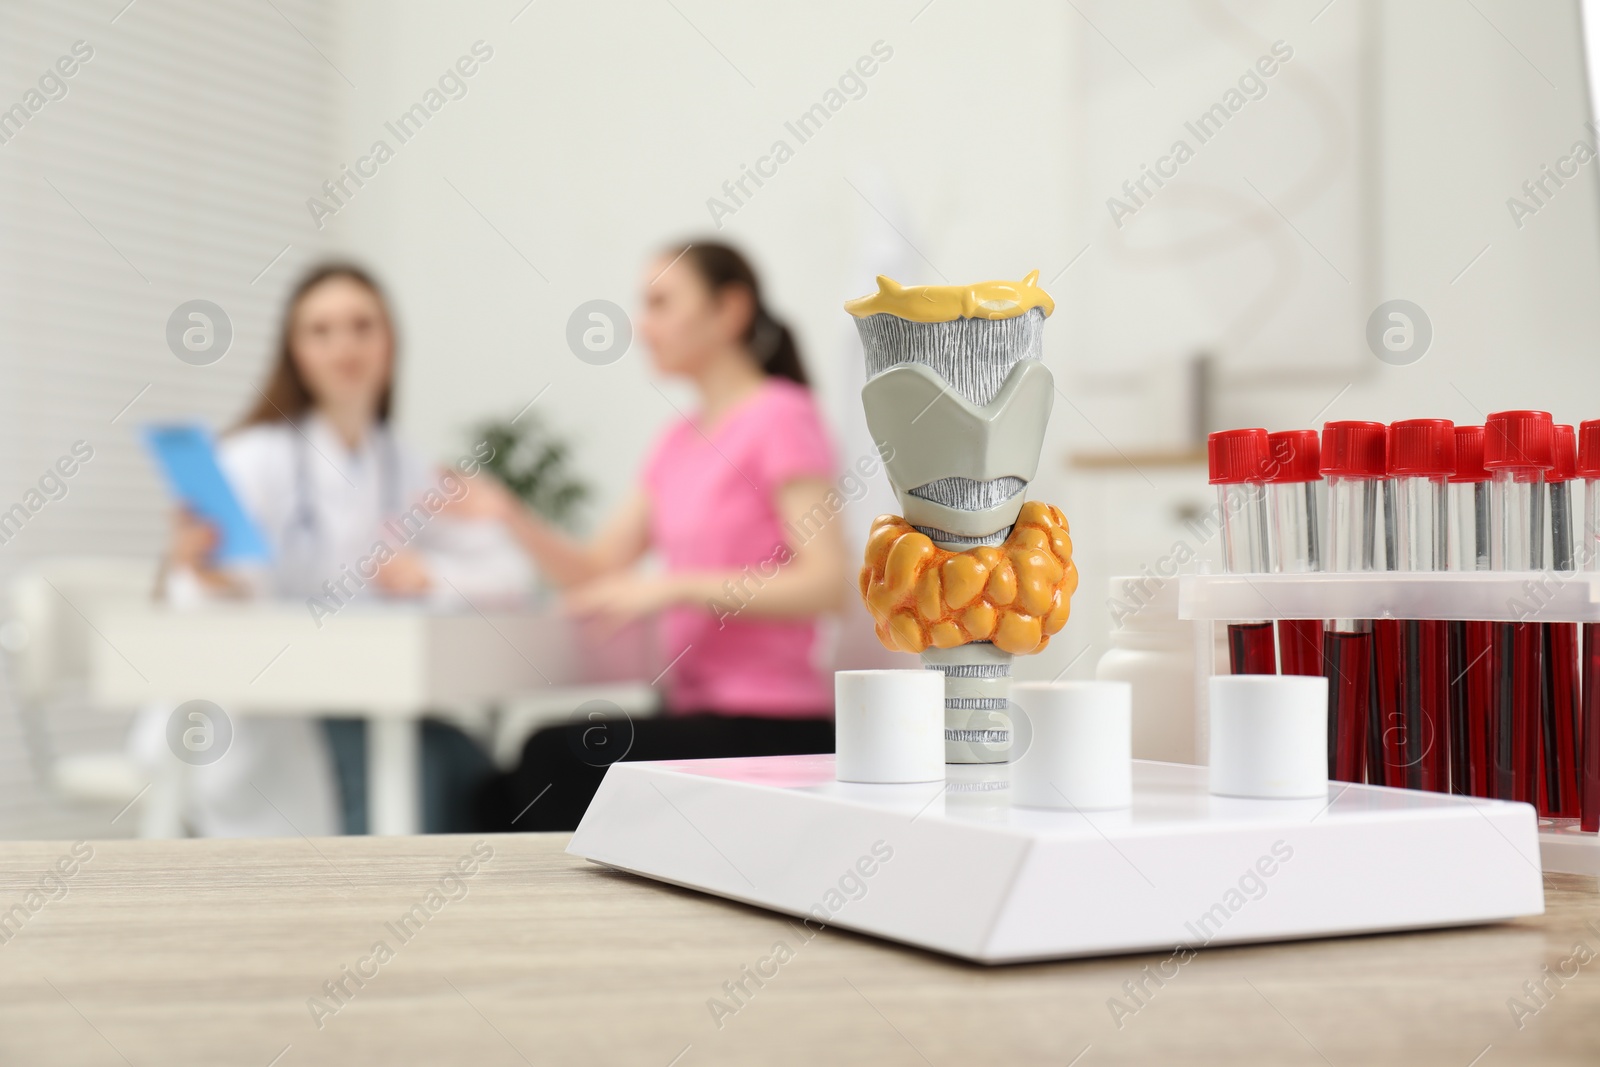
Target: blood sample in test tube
1353	465
1471	643
1385	724
1559	716
1421	459
1239	465
1294	475
1588	556
1518	448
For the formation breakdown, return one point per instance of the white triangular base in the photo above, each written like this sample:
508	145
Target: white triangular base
954	868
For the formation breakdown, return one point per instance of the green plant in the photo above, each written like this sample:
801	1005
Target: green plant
534	464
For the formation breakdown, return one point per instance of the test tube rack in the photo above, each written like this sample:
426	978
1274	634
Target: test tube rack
1480	596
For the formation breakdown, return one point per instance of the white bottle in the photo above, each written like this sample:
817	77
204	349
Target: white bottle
1154	651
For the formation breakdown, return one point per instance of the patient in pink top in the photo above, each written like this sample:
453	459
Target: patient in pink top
716	494
732	501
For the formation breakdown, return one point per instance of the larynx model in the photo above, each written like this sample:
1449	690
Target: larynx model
970	575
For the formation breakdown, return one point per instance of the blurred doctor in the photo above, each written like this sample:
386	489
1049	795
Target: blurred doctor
349	514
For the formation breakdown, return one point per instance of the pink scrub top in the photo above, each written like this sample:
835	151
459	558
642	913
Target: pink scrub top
712	508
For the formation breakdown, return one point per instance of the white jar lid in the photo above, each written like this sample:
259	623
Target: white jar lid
1144	602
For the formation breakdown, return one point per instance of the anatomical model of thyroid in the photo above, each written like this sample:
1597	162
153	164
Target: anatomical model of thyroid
970	574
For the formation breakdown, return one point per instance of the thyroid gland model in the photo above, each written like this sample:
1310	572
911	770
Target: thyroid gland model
970	574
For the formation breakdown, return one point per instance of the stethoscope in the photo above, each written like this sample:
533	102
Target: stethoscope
300	574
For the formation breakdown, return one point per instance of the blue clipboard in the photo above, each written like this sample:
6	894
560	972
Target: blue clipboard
188	460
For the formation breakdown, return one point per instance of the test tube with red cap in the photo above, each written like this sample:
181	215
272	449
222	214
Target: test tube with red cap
1518	448
1471	644
1385	729
1559	721
1294	473
1239	465
1421	459
1353	465
1588	554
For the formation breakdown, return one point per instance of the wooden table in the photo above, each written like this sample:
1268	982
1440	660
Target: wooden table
390	663
206	952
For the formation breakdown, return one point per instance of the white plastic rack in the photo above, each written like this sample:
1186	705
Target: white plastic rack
1497	596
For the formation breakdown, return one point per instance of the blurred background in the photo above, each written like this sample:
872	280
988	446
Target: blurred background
1396	151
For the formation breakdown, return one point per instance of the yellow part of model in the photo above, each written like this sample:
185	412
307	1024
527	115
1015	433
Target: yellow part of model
946	303
1015	594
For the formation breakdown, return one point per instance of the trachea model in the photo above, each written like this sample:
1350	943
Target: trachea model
970	574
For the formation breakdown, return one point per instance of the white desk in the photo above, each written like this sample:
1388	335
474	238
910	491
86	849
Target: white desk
391	664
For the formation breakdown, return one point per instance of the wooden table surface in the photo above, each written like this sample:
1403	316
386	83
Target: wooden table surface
210	952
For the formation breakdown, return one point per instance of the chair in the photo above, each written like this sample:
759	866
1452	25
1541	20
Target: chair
46	637
527	713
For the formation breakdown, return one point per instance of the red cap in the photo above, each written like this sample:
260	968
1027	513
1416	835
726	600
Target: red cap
1237	456
1422	447
1589	449
1294	456
1565	454
1354	449
1469	455
1524	440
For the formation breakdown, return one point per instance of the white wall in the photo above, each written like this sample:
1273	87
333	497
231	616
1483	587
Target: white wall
1466	117
597	133
1408	125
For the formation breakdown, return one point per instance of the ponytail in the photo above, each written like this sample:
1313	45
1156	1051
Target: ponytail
773	345
770	342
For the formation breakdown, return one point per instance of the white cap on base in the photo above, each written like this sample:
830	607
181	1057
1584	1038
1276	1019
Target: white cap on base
1073	745
1269	736
888	726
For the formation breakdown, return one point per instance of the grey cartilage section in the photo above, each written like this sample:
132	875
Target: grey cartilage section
975	686
962	512
972	670
976	689
969	494
925	514
973	355
956	542
978	737
928	431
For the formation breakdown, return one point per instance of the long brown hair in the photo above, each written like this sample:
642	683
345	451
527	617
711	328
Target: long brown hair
768	338
286	397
